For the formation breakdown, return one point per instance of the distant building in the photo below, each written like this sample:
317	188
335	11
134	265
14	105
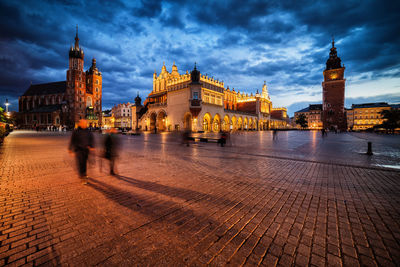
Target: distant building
313	115
107	119
122	114
198	102
136	112
367	115
279	118
333	87
65	102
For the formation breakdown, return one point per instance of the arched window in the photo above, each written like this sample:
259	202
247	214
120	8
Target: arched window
89	102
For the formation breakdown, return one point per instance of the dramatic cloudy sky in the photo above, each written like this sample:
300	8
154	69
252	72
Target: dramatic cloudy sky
243	43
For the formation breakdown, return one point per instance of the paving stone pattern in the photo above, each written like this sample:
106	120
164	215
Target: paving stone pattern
190	206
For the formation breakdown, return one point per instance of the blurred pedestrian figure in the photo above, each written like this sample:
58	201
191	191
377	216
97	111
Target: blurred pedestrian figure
186	137
274	134
81	143
223	138
323	132
111	144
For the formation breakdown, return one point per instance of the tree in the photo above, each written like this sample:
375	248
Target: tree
3	117
302	120
391	119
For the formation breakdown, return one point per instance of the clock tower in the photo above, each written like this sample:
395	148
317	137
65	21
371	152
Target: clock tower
333	115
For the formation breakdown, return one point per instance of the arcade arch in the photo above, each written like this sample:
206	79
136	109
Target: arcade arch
207	122
226	126
216	123
162	121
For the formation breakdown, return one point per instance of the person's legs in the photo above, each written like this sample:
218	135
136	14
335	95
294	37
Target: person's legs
112	161
82	157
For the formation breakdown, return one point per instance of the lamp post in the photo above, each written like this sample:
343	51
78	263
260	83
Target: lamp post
7	113
7	104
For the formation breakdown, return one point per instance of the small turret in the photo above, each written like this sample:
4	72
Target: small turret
264	91
163	69
195	75
138	100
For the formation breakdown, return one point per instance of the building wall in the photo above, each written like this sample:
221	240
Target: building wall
174	102
178	106
365	118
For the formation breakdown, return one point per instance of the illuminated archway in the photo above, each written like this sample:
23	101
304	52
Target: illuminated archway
187	121
207	122
216	126
245	124
162	121
250	124
240	123
226	126
234	125
255	124
153	119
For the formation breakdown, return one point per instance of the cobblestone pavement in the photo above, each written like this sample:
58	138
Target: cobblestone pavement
197	205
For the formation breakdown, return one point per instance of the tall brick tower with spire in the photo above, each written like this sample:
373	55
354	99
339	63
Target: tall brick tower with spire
83	93
333	87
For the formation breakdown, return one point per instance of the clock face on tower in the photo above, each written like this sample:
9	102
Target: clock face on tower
333	75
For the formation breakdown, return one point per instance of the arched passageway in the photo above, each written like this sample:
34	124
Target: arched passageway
207	122
162	121
216	123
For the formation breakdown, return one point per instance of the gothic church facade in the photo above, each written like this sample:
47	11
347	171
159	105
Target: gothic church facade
66	102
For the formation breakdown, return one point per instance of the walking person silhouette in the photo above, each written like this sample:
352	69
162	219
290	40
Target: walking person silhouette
82	143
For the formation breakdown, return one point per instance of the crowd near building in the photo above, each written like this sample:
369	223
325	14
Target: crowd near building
64	103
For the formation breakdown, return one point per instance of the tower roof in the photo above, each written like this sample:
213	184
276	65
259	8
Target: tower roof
195	74
75	51
333	62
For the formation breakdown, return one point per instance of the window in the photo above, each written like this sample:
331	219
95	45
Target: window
207	97
195	95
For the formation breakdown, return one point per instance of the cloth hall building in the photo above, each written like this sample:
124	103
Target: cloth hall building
198	102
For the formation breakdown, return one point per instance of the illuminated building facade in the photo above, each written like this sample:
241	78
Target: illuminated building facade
367	115
65	102
122	114
201	103
333	115
313	114
107	119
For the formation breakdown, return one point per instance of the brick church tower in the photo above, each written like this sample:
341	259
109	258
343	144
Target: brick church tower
83	93
333	86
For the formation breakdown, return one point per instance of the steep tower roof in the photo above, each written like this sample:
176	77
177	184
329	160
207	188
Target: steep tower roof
75	51
333	62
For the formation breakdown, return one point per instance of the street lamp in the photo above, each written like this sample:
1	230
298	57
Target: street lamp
7	104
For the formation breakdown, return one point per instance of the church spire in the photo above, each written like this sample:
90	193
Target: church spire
76	39
75	51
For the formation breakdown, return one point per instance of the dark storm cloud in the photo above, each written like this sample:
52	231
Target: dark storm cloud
243	43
